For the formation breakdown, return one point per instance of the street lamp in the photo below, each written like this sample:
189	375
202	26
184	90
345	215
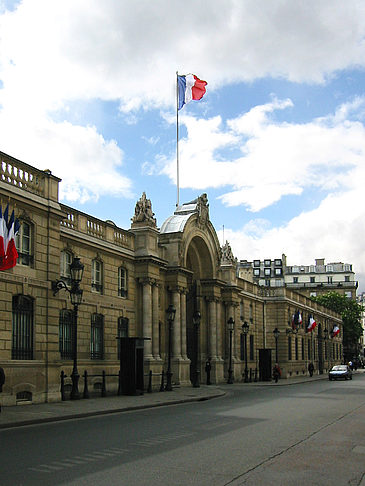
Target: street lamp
230	329
77	271
245	328
170	313
196	322
276	333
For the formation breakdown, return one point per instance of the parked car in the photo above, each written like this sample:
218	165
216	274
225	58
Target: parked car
340	372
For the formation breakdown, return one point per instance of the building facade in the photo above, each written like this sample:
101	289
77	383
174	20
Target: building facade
130	279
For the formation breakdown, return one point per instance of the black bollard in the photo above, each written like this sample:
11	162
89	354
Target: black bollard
63	376
103	387
162	387
149	388
86	389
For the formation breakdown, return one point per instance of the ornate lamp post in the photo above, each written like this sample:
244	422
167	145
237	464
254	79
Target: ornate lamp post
196	322
170	313
230	329
276	333
76	270
245	329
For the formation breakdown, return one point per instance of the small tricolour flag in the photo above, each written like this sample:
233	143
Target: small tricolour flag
311	324
335	331
8	230
190	87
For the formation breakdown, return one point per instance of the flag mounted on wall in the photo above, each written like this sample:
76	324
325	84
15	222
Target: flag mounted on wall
8	230
335	331
190	87
311	324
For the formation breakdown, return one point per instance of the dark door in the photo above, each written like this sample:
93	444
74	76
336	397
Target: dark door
265	364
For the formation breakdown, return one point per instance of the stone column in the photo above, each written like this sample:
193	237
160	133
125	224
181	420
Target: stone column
219	331
147	317
183	323
176	332
212	349
155	322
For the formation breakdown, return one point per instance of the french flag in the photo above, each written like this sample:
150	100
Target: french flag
335	331
190	87
311	324
8	230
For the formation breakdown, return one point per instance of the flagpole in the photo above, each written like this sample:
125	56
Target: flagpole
177	141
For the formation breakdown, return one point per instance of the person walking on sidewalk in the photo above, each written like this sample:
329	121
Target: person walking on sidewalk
276	372
310	369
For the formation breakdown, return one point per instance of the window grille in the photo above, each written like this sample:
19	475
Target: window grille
122	282
22	323
66	331
97	276
97	336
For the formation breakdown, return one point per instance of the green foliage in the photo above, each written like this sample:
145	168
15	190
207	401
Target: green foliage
350	312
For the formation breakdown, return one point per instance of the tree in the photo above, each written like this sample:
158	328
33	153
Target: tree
350	312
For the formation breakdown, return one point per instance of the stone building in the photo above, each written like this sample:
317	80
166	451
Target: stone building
130	278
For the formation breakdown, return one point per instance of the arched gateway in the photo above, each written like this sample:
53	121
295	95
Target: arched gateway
194	282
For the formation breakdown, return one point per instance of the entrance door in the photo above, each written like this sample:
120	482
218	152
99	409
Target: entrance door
191	332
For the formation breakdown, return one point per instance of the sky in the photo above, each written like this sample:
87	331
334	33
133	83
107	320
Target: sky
88	91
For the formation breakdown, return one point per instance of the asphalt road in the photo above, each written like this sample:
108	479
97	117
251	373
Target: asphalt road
304	434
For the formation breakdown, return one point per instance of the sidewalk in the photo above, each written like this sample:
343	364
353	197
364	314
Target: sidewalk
29	414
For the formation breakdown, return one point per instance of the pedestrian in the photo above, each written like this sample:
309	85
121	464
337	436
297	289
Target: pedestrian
208	368
2	381
311	369
276	372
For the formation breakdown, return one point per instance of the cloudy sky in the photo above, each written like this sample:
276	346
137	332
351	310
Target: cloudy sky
87	90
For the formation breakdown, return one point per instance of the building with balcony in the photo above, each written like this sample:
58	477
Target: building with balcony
131	277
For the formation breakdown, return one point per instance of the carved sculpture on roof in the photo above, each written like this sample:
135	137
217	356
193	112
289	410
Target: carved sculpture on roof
227	254
202	208
143	211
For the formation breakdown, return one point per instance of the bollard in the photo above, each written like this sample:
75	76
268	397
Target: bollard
63	376
103	388
86	389
162	387
149	388
250	379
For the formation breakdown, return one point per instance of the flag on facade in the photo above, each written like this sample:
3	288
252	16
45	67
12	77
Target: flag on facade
335	331
311	324
296	320
8	230
190	87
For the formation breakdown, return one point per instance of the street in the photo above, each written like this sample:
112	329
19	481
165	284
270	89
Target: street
311	433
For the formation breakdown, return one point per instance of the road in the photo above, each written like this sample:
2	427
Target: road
303	434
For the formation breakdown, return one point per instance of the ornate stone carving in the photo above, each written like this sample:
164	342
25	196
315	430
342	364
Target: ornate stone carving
227	254
143	211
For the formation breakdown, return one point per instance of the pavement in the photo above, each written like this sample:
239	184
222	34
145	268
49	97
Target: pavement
29	414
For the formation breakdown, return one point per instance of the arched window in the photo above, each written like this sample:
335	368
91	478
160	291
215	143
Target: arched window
66	341
23	243
97	276
122	282
97	336
22	323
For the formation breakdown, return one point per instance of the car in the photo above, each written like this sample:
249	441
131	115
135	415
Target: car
340	372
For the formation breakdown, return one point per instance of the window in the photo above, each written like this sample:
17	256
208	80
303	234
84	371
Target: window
278	262
296	349
65	262
123	324
267	272
312	279
303	349
66	329
289	348
267	263
329	268
267	283
347	278
313	294
295	279
256	272
348	295
329	280
97	276
256	263
97	336
22	322
252	351
23	243
278	271
122	282
309	349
